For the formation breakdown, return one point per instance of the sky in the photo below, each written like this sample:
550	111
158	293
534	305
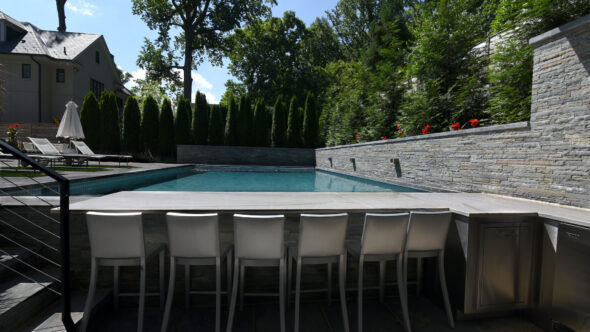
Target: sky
125	32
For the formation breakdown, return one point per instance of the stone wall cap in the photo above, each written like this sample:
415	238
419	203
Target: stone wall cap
445	134
559	31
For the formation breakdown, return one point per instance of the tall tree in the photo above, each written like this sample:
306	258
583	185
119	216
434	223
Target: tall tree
260	124
131	121
245	118
294	124
200	119
231	124
279	124
310	122
182	122
149	125
202	26
110	132
61	14
166	130
90	119
216	125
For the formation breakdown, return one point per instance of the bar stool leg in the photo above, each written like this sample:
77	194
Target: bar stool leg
282	282
217	294
443	284
241	290
402	290
90	297
405	294
234	295
382	266
418	276
360	293
170	297
162	281
141	295
297	293
116	288
229	260
342	281
289	277
187	287
329	283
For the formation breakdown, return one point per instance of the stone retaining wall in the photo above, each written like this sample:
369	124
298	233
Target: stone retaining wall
547	159
242	155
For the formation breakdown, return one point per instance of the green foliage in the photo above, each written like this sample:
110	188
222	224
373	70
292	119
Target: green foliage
260	124
110	132
216	126
294	124
131	121
200	119
149	125
166	130
279	124
182	122
245	118
310	122
231	123
90	119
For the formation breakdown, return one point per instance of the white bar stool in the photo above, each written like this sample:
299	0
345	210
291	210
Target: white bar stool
321	241
258	241
116	239
383	240
194	240
427	234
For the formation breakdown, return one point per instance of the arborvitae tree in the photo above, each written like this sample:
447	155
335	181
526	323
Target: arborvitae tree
231	123
182	125
149	125
310	122
200	119
166	144
294	124
245	119
110	132
90	118
131	120
260	125
216	126
279	124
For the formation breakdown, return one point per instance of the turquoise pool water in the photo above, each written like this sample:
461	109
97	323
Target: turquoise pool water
272	179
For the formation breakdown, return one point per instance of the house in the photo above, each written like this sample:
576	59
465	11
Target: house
42	70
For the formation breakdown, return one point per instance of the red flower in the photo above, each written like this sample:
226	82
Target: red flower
398	127
383	138
426	130
357	136
14	126
456	126
474	123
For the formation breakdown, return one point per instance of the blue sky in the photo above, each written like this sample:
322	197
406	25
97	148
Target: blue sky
125	32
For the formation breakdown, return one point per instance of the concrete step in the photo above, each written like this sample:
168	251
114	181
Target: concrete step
21	298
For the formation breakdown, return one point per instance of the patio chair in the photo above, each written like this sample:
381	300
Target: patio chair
427	234
258	241
85	150
116	239
194	240
44	146
321	241
47	160
383	240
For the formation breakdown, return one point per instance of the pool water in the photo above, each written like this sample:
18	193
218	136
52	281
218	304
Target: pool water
269	180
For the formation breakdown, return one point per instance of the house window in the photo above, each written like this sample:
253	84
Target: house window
60	75
26	70
96	87
97	57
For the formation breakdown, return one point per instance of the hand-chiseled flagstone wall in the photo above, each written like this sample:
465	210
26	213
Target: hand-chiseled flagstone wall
546	159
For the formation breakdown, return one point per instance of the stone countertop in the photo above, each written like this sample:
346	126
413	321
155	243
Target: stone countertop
466	204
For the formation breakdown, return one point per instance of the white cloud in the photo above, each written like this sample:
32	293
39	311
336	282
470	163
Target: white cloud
136	75
199	81
81	7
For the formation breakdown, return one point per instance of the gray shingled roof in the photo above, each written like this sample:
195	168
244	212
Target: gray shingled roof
57	45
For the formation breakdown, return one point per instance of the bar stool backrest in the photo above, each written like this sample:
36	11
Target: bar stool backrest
259	236
115	235
322	234
428	230
384	233
193	235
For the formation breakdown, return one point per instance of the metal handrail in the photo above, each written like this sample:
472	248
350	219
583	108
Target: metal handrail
64	229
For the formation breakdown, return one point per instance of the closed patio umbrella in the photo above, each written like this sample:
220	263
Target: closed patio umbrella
70	126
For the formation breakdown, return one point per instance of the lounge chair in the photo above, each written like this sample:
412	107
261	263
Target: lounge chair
47	149
85	150
47	160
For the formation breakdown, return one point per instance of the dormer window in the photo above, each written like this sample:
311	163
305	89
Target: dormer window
97	57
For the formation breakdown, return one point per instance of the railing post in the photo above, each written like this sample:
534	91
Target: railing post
64	211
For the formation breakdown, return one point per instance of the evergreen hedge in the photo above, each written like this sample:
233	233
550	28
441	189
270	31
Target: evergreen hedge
231	123
149	125
279	124
182	122
245	119
110	132
166	130
310	122
294	124
260	125
216	126
200	119
131	120
90	119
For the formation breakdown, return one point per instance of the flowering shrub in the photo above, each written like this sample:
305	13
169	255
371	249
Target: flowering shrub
426	130
12	133
383	138
456	126
474	123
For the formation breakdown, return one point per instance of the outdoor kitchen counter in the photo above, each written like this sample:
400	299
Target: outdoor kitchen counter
466	204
